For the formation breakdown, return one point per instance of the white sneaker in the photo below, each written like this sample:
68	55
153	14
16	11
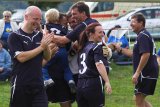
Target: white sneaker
72	86
48	83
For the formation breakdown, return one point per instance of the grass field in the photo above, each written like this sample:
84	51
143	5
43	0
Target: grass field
122	95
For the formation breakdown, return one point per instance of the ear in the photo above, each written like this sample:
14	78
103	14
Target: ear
26	16
84	14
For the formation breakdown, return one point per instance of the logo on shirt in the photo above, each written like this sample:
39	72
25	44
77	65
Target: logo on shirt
26	42
38	43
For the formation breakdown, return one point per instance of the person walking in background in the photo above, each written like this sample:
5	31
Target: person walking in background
5	63
28	47
144	61
92	68
6	27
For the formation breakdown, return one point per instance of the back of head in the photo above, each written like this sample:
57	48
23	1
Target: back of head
52	16
82	7
63	19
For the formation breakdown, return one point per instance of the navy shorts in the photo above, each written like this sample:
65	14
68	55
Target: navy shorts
145	86
28	97
59	92
90	93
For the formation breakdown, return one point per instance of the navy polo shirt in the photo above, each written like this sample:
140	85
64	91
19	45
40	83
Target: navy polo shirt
57	29
74	35
145	44
29	72
91	54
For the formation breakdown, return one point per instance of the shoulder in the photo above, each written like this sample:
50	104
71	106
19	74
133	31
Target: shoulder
1	20
89	21
144	33
97	46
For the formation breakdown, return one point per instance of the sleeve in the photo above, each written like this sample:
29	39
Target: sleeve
98	54
7	60
15	44
144	44
75	34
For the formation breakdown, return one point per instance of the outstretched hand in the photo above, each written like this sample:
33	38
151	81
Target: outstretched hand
47	38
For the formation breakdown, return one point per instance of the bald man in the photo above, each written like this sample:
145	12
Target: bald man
28	47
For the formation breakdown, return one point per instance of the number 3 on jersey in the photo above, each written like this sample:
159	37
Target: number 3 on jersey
84	68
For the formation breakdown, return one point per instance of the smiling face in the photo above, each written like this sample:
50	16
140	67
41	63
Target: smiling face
7	16
33	18
136	26
77	15
137	22
97	36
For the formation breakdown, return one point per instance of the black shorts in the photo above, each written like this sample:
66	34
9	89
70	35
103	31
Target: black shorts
145	86
59	92
90	93
28	96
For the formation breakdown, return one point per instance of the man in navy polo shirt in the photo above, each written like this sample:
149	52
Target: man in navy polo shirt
80	12
144	61
28	47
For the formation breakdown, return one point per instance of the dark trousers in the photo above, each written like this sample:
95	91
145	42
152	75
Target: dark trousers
5	74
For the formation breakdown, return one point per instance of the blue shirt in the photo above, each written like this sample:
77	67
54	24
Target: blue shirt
7	31
158	52
123	40
5	59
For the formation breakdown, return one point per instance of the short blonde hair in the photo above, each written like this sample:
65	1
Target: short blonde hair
7	13
52	15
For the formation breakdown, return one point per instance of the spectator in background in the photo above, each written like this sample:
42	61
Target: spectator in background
115	39
6	27
121	39
5	63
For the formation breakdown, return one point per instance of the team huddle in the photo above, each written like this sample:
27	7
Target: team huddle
40	53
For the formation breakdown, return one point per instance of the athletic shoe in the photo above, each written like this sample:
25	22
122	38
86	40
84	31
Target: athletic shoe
48	83
72	86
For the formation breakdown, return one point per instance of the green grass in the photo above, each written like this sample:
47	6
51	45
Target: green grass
122	96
